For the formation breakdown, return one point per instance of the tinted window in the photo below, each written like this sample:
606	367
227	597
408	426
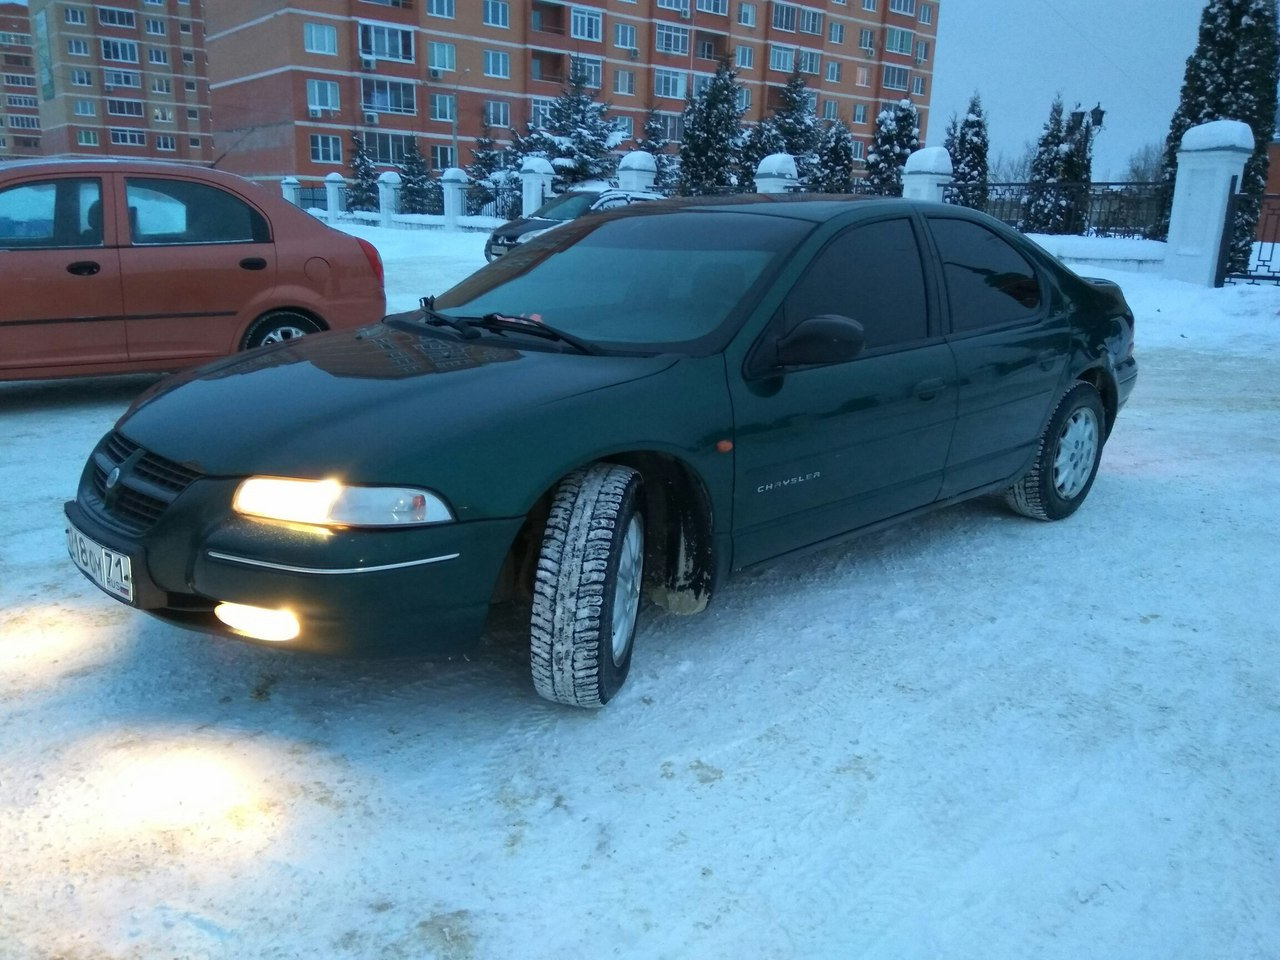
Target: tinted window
872	274
52	213
988	281
179	211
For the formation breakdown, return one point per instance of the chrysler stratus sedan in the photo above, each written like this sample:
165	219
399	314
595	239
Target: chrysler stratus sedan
119	266
632	406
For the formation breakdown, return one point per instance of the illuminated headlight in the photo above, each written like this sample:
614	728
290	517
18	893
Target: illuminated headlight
331	503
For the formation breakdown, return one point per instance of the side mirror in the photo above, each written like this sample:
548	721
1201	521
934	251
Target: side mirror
830	338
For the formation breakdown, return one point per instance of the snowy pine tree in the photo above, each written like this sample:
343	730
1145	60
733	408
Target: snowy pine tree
834	170
362	191
1046	209
708	153
487	158
493	178
754	144
1231	75
413	179
796	119
967	143
577	121
654	140
897	137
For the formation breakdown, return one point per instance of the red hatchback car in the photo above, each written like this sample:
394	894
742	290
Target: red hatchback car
115	266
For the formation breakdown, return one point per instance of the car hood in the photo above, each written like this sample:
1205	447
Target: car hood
518	228
362	404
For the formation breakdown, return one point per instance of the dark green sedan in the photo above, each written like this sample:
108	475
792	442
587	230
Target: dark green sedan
635	404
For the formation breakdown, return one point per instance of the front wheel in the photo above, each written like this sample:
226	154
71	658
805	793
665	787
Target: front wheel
587	587
278	327
1067	461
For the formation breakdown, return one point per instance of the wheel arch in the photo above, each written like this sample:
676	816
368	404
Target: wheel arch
247	331
1102	380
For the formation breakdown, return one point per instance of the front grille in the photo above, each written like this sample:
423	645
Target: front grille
148	482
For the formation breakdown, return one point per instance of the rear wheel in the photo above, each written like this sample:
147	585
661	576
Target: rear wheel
278	327
1067	461
587	587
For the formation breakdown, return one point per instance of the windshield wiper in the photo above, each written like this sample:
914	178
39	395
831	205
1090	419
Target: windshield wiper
461	324
535	328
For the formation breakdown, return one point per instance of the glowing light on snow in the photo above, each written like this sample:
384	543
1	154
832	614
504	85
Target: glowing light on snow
37	646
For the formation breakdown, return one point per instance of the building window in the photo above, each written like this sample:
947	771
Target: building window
158	57
125	108
77	47
624	36
156	27
672	125
835	32
193	113
744	99
706	50
809	61
895	78
625	127
867	39
859	113
869	5
192	141
745	57
75	16
497	113
784	17
162	85
833	71
440	8
323	95
22	102
121	51
829	110
190	85
903	6
497	13
669	83
86	108
624	82
497	63
442	56
540	112
386	43
21	122
19	80
917	86
188	56
811	21
681	6
121	78
389	96
591	69
184	27
442	106
116	17
922	51
926	13
165	141
859	150
326	149
87	138
671	39
782	58
718	7
586	24
864	77
320	38
128	138
442	158
899	41
387	147
701	83
747	14
81	78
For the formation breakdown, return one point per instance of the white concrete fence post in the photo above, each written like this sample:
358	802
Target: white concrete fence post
927	174
291	190
454	182
535	178
333	185
388	197
776	174
638	171
1209	156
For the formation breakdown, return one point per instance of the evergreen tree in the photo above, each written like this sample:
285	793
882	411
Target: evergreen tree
897	136
487	158
834	170
757	142
583	135
413	180
1231	75
654	140
967	143
493	179
362	191
708	153
797	121
1046	208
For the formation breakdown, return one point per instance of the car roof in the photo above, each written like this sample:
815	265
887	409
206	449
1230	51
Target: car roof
56	165
799	206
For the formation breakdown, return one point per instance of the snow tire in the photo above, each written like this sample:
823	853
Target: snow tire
277	327
1066	462
582	627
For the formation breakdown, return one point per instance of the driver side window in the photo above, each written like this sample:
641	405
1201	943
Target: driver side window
870	273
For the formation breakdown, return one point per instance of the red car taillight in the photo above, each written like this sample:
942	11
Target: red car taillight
375	260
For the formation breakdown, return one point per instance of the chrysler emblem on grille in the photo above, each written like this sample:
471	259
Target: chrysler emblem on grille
113	477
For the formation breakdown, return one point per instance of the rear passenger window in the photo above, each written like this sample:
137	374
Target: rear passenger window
66	212
871	274
988	281
179	211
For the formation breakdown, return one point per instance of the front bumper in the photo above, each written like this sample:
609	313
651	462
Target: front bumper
422	590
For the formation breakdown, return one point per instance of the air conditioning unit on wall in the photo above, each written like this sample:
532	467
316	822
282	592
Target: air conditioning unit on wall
368	63
314	113
435	74
371	119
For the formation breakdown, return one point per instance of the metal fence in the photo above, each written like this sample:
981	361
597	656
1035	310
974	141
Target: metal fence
1092	210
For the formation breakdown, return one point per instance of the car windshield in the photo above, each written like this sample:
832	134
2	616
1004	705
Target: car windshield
652	280
567	206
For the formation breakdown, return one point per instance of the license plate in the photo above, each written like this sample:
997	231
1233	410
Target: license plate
111	571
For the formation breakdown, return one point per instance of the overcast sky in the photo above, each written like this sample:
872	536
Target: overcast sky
1127	54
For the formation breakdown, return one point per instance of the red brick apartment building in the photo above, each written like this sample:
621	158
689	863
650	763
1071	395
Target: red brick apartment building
19	104
291	84
122	78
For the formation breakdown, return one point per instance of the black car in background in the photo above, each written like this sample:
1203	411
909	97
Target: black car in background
559	209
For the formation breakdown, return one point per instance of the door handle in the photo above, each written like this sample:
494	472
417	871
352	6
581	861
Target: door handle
1046	359
253	263
928	389
83	268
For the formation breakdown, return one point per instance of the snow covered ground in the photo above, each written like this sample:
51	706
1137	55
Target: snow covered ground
973	736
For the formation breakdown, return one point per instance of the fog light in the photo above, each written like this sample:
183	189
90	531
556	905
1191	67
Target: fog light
258	622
